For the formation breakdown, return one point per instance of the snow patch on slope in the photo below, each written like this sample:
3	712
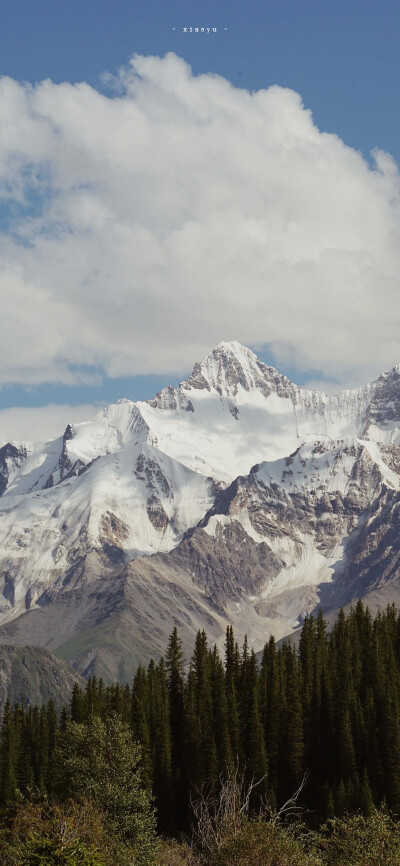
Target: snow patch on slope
136	477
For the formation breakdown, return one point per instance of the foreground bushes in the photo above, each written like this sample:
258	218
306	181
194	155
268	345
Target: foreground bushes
99	812
74	834
260	843
100	760
360	841
36	833
350	841
226	831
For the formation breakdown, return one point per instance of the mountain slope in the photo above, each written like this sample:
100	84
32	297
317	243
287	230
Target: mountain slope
237	497
35	675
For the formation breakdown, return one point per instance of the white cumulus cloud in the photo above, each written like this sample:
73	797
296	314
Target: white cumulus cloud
151	223
41	423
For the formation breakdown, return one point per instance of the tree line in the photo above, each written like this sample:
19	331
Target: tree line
325	709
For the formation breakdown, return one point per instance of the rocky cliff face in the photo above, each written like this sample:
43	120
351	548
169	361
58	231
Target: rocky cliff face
11	460
237	497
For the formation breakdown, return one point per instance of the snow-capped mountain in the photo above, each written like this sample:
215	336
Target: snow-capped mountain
237	497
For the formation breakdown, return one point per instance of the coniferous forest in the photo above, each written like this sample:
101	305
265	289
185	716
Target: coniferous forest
322	716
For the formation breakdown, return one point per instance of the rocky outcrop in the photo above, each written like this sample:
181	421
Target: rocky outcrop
384	407
11	458
237	497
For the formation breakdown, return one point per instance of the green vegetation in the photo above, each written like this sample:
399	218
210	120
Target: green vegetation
210	751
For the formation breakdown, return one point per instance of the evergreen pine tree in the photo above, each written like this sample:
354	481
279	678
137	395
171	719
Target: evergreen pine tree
160	735
271	712
292	740
366	802
8	782
52	734
231	689
174	666
140	726
221	716
257	764
77	704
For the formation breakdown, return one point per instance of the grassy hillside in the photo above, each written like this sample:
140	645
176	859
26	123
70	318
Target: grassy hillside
35	675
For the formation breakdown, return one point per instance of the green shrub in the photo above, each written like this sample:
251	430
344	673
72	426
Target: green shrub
100	760
172	853
356	840
51	852
36	832
261	843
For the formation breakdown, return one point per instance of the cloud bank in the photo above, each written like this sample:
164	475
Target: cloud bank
40	423
147	225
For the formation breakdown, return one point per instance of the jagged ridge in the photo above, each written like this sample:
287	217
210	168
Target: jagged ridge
255	499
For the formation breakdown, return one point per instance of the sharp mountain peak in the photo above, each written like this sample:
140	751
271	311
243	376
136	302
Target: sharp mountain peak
237	497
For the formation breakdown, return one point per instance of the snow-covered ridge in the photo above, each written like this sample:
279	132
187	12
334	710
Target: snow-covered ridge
308	510
232	412
235	410
134	479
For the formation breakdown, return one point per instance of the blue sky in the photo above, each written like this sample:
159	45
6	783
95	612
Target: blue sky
342	58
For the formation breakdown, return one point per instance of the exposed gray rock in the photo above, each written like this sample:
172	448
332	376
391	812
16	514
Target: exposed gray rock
10	457
318	526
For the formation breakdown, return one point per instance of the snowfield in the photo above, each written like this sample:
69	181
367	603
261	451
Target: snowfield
236	458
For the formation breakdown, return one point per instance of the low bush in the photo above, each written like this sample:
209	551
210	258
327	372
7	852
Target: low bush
38	833
261	843
35	832
356	840
172	853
